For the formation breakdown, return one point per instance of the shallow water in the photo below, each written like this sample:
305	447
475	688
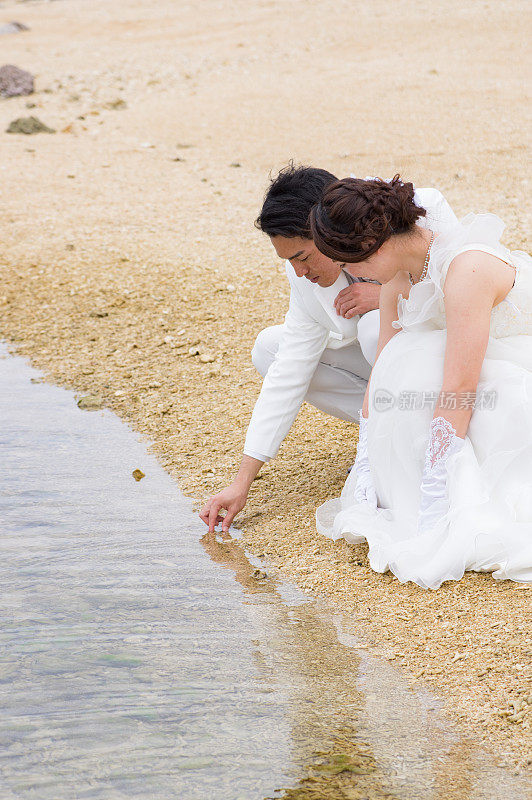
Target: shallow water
141	658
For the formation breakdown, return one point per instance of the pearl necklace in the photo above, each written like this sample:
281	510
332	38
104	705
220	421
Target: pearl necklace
425	264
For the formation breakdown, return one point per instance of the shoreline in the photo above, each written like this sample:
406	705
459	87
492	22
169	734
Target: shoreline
120	260
414	629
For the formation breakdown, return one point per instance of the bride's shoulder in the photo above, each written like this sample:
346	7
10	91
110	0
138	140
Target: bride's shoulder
472	261
480	273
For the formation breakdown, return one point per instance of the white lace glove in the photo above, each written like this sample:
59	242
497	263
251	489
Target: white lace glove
443	443
364	488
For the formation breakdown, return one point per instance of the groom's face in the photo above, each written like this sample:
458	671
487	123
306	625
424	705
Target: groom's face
307	260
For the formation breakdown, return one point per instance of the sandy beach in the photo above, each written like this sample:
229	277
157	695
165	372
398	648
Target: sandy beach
131	269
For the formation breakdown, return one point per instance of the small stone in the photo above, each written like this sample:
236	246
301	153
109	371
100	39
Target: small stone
15	81
69	247
115	105
138	474
90	402
259	574
206	358
13	27
235	164
230	287
154	385
99	314
193	351
28	126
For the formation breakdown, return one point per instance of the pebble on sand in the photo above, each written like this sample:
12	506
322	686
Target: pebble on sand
28	126
15	81
13	27
138	474
90	402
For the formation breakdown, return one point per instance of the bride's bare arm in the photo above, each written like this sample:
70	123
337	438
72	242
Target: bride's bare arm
389	296
475	283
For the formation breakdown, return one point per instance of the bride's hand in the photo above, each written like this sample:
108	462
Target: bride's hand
443	443
364	488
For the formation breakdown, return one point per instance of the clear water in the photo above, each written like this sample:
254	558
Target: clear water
141	658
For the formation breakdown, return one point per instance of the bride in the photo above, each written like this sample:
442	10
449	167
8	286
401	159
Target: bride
442	481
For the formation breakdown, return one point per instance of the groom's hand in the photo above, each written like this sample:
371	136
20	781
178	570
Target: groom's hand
231	500
357	299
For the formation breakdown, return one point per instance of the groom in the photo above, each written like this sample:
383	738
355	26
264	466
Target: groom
324	350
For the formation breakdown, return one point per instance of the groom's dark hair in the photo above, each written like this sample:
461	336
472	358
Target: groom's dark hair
289	200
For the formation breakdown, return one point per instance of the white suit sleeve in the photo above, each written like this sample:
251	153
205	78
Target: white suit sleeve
258	456
286	383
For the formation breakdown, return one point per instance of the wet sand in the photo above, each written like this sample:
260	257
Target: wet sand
128	244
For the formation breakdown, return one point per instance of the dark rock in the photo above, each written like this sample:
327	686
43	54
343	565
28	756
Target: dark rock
28	126
13	27
114	105
15	81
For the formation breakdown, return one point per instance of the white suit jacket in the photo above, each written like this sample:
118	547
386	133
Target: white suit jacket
310	326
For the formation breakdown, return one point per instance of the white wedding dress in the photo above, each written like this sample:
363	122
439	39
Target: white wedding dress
488	526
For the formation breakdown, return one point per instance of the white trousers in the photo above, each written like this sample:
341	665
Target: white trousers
339	382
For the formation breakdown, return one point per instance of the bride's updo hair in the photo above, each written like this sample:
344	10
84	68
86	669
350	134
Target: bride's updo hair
355	217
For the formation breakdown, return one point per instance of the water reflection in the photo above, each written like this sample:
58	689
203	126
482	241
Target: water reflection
359	728
300	652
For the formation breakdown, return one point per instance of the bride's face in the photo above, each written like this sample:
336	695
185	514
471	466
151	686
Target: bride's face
307	260
381	266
